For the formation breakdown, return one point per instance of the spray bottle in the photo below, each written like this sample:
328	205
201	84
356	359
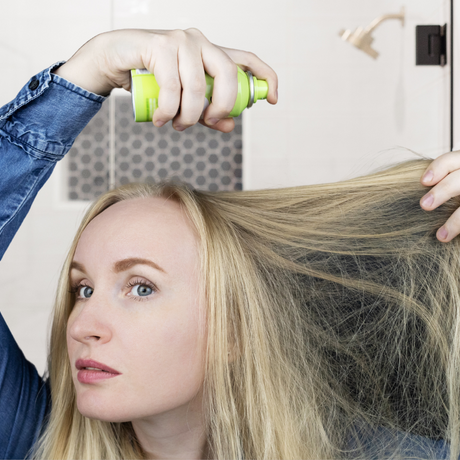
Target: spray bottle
145	92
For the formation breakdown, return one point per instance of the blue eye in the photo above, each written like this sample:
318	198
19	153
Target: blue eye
85	292
142	290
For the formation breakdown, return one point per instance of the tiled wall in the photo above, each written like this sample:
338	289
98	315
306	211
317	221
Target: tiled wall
338	108
203	158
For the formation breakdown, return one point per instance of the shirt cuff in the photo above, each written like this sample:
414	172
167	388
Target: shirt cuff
48	114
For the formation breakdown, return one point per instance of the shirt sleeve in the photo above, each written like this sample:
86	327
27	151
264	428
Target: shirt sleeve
377	443
37	129
25	399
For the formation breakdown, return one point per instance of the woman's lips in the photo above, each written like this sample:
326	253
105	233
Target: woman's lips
97	371
89	376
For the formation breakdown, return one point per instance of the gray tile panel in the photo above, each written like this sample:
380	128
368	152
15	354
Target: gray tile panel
204	158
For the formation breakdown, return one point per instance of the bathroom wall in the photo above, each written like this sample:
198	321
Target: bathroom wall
339	113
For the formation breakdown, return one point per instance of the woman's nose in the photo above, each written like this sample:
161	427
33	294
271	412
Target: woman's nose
88	323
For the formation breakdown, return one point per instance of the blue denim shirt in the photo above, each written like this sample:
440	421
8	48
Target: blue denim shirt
37	129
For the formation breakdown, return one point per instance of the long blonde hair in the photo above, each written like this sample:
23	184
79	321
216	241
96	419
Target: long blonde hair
336	302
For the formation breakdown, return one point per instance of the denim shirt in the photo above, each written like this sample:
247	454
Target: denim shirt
37	129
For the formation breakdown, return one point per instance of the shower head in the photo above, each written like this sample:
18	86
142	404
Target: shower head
361	37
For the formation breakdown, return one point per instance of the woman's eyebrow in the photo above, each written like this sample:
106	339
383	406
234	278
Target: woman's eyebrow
121	265
126	264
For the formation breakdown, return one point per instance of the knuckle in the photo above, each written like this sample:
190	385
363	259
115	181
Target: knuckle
227	66
194	30
251	58
179	33
230	66
197	86
172	84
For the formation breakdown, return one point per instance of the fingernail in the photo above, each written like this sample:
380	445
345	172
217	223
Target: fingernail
212	121
428	176
428	200
159	123
442	233
179	128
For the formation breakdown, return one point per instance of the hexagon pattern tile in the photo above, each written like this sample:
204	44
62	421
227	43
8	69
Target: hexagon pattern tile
88	168
204	158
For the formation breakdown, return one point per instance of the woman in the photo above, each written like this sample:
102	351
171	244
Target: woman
307	322
312	322
39	126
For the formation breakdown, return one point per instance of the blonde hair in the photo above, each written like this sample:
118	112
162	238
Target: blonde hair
338	305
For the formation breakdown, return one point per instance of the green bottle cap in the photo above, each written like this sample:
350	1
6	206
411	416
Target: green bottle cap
260	89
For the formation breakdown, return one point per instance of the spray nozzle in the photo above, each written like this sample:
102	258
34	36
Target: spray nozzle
260	89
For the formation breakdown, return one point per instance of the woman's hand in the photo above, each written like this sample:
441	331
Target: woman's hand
179	59
444	175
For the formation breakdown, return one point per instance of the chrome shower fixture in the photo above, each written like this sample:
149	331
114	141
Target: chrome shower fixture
361	37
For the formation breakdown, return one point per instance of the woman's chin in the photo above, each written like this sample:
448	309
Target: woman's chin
98	410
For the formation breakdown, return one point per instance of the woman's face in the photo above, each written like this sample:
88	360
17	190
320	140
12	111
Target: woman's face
140	313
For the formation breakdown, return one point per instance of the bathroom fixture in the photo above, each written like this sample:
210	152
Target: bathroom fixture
361	37
430	45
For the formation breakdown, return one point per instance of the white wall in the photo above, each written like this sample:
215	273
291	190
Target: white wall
338	107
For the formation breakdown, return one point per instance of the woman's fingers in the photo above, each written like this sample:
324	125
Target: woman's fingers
225	76
443	191
193	87
440	167
226	125
444	175
166	71
450	229
179	70
179	59
249	61
225	90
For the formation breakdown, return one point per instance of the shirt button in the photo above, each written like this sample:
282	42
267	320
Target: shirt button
33	85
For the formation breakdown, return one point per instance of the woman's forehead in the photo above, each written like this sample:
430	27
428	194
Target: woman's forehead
141	227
